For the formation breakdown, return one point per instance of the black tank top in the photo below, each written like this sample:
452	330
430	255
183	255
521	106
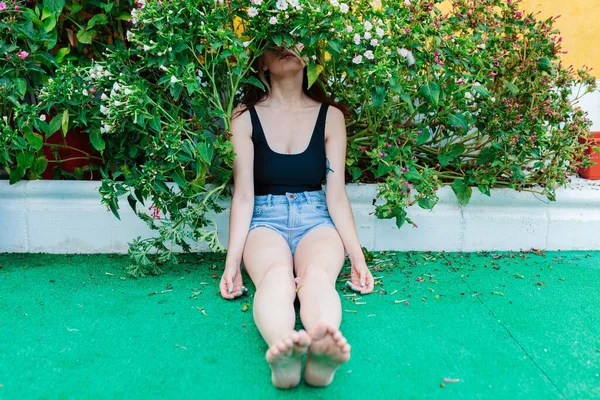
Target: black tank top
277	173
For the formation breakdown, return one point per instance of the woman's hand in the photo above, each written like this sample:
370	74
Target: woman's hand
231	283
361	278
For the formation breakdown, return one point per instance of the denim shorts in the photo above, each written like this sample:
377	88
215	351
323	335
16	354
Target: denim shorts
293	215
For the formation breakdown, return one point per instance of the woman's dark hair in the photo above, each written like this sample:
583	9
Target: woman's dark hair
253	94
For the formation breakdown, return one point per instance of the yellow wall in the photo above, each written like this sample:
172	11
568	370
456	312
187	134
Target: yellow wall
579	25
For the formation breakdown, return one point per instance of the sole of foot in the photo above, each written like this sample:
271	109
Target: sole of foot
285	359
328	350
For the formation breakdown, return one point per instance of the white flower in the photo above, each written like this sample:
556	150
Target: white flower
200	74
403	53
173	79
477	84
369	54
482	46
170	48
146	47
99	68
294	3
349	29
493	99
127	91
357	60
375	3
252	12
116	87
380	32
256	2
281	5
357	38
246	44
104	110
407	2
368	25
334	3
106	73
104	97
42	117
374	42
273	20
162	68
118	103
367	35
468	96
395	97
170	11
344	8
84	92
130	35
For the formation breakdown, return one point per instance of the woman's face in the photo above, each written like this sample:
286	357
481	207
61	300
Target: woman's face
282	61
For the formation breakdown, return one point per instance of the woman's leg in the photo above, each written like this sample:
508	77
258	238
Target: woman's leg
318	260
268	260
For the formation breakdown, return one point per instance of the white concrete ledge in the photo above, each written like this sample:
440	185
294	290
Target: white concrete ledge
67	217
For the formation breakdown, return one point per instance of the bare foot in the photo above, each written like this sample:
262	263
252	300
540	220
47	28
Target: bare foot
329	350
285	358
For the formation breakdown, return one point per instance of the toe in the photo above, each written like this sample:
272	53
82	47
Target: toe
295	337
341	341
346	348
319	332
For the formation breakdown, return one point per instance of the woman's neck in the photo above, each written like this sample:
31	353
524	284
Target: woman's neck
286	92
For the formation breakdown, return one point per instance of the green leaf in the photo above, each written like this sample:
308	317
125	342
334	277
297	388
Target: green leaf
544	64
16	174
423	137
62	52
487	155
413	176
131	200
24	160
97	19
382	169
400	215
313	72
206	151
35	140
485	189
65	122
459	120
179	179
462	191
97	140
49	23
431	92
85	36
406	98
427	203
378	95
54	125
356	173
54	6
511	87
138	195
482	91
21	86
254	81
40	164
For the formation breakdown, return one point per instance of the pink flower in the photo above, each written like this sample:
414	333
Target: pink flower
406	184
17	8
419	132
297	280
404	169
22	54
2	6
380	154
387	144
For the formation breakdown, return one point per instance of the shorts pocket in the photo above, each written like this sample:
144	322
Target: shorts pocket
258	210
321	208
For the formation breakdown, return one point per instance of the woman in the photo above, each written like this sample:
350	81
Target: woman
283	226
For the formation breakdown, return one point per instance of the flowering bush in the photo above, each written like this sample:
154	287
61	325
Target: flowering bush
35	37
474	97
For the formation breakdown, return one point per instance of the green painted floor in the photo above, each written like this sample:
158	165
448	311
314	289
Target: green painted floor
520	325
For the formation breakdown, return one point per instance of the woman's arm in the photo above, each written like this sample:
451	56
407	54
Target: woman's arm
242	202
337	199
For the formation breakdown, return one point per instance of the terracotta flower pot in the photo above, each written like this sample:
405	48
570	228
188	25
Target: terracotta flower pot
592	172
77	139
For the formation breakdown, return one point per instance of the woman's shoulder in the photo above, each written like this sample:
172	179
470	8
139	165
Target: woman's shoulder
240	120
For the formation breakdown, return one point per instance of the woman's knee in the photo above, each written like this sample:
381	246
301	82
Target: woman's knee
317	273
279	275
